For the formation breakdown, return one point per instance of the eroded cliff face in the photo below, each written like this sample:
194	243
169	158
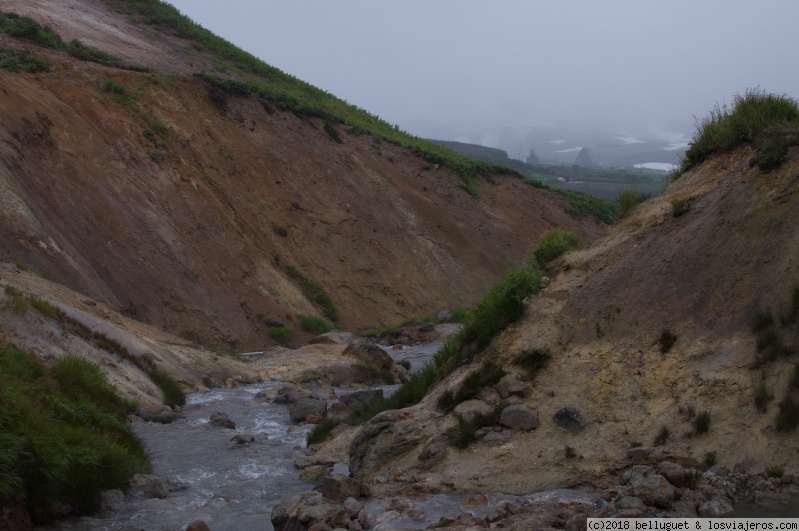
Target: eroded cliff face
188	216
703	276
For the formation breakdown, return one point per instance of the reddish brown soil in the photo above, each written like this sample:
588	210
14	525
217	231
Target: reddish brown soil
193	244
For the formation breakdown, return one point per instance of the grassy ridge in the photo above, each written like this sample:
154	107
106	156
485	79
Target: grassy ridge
63	435
770	123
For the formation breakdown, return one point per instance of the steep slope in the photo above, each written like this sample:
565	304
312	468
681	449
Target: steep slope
704	276
202	215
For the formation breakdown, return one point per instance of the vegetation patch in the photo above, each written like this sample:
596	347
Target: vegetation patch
532	360
63	434
333	133
555	243
711	458
464	433
28	29
315	292
678	207
321	431
702	423
666	340
661	437
314	324
762	396
770	332
489	374
628	200
281	334
22	61
502	305
768	122
788	415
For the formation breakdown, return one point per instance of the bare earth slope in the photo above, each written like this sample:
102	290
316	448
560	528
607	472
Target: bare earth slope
703	276
194	228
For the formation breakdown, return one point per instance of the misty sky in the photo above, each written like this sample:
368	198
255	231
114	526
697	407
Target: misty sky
441	67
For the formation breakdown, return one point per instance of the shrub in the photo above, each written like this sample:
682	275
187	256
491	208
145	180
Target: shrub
662	436
762	396
281	334
314	324
678	207
766	121
63	435
666	340
711	458
690	479
315	292
702	423
569	452
555	243
788	415
627	200
532	360
465	432
333	133
116	89
321	431
157	156
775	471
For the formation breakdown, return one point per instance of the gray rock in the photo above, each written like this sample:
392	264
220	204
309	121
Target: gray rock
110	499
315	472
510	385
636	473
325	513
313	460
289	394
435	450
361	398
274	321
157	413
751	467
338	487
519	417
221	420
570	419
301	409
366	351
468	410
631	502
673	472
287	508
353	507
382	439
427	327
444	316
498	438
715	508
640	455
654	491
400	373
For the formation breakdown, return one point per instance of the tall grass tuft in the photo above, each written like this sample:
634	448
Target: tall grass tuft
314	324
554	243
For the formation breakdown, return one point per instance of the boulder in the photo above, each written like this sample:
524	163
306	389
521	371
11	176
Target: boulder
655	491
444	316
751	467
274	322
383	439
360	398
468	410
284	514
570	419
715	508
338	487
157	413
289	394
400	373
198	525
315	472
353	507
303	408
510	385
519	417
636	473
367	351
640	455
324	513
314	460
221	420
672	472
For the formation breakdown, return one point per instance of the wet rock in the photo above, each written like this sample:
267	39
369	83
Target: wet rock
221	420
243	440
338	487
353	507
672	472
313	460
476	500
109	499
324	513
361	398
519	417
655	491
400	373
13	514
468	410
151	486
302	408
715	508
570	419
286	511
198	525
289	394
366	351
510	385
312	473
156	413
751	467
427	327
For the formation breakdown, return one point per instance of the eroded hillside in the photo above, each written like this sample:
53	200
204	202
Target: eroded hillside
706	276
202	215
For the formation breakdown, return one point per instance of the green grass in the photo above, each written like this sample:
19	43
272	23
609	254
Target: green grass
678	207
321	431
315	292
314	324
711	458
775	471
63	435
532	360
28	29
628	200
17	61
281	334
662	437
502	305
770	334
555	243
489	374
702	423
464	433
762	396
768	122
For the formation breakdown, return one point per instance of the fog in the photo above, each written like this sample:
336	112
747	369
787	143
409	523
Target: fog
483	70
